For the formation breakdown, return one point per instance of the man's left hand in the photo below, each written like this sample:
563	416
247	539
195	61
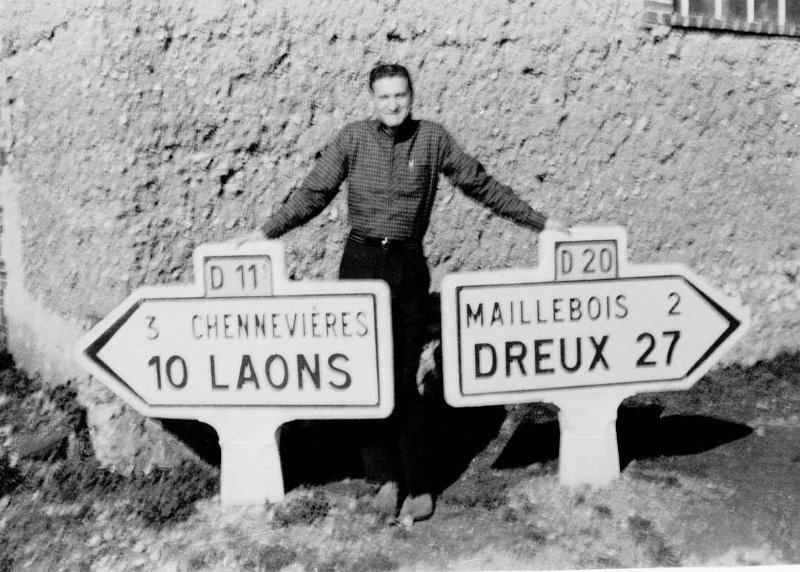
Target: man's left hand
556	225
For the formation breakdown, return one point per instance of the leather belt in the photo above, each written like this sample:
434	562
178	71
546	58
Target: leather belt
384	242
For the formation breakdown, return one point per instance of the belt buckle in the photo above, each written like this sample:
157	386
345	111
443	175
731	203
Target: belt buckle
385	242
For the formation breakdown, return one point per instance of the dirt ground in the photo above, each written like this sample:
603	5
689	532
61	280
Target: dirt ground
710	477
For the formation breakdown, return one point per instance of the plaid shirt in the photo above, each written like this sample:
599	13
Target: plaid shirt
392	181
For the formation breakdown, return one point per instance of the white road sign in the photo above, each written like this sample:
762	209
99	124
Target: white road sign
581	328
560	335
280	351
246	350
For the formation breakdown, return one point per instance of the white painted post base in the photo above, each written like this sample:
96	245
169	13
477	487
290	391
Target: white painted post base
589	453
250	471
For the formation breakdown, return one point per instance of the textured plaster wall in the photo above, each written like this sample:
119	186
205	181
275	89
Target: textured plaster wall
135	130
43	342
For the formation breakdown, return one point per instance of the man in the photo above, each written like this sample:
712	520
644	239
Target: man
392	164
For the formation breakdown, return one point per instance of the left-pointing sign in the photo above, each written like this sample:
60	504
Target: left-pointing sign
246	350
291	350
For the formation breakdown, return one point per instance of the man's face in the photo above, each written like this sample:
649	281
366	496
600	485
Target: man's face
392	99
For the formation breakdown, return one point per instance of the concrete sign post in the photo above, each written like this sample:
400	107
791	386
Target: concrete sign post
584	330
245	350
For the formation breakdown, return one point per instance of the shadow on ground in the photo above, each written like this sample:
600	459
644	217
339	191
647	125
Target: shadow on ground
641	434
318	452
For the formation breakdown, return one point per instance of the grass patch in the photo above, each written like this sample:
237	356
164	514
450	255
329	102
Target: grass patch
10	477
378	561
13	382
372	562
65	399
535	534
167	495
302	510
657	478
653	544
273	558
163	496
602	511
70	481
475	498
608	562
485	490
6	560
204	559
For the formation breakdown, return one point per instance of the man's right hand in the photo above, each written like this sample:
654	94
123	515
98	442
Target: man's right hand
255	236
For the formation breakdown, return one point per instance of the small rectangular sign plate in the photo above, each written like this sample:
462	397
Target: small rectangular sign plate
587	260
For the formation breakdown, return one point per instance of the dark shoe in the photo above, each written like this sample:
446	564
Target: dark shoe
416	508
385	502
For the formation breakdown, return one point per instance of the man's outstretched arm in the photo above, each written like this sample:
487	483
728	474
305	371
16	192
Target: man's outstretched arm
468	174
313	195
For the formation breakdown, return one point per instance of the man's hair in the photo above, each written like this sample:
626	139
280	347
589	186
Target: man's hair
389	70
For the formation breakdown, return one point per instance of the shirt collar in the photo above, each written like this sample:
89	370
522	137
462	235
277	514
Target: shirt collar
406	128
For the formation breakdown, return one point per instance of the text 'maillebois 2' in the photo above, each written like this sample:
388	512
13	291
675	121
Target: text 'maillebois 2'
582	319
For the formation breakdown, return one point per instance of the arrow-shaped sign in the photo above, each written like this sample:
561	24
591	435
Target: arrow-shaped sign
245	350
553	335
583	330
281	351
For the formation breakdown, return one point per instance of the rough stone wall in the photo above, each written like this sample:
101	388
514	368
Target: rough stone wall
3	322
136	130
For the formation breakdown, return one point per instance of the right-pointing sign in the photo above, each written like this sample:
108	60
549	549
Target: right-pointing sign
583	318
536	336
583	330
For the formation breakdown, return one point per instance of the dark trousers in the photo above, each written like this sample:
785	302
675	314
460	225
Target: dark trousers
397	448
